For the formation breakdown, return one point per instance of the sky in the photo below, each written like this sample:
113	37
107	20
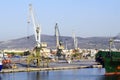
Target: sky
86	18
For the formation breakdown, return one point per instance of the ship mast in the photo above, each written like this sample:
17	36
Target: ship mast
110	44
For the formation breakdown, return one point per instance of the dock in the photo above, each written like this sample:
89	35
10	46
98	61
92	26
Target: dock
61	65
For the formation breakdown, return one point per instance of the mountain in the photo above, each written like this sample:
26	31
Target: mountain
29	42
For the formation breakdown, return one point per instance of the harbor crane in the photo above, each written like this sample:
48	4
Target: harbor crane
59	44
112	43
75	41
36	56
36	26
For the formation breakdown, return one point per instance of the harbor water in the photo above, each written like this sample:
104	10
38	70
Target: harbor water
74	74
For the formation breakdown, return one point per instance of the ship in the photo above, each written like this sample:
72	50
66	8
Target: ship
109	59
1	64
1	60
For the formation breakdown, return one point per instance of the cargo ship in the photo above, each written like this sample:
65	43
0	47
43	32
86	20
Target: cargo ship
110	60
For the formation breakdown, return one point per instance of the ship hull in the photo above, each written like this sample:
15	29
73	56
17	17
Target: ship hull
112	73
110	61
1	67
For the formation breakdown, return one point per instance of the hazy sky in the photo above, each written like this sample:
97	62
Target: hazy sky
87	18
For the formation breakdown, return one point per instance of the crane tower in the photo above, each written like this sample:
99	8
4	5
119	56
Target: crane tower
36	56
59	44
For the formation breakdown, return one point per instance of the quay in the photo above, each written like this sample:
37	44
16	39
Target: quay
61	65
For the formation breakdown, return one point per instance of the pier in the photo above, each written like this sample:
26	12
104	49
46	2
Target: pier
60	65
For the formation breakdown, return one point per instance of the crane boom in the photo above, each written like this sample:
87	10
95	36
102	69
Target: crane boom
75	41
59	43
36	26
57	35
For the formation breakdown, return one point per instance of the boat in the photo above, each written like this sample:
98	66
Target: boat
1	64
1	59
110	60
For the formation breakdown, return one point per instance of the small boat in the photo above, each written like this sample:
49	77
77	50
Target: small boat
1	65
1	59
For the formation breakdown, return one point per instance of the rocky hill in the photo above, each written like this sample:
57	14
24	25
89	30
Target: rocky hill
29	42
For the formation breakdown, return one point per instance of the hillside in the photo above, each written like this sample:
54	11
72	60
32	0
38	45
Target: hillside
29	43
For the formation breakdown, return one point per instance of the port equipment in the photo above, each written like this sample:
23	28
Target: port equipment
5	61
36	57
59	43
75	41
76	54
112	42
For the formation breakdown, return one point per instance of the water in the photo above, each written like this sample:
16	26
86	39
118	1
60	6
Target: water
75	74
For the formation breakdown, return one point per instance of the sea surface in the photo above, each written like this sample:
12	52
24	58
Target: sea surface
74	74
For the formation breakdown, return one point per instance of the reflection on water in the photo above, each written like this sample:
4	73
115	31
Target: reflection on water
76	74
112	77
37	75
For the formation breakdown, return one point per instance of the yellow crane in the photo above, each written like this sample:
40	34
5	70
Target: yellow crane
59	43
36	57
